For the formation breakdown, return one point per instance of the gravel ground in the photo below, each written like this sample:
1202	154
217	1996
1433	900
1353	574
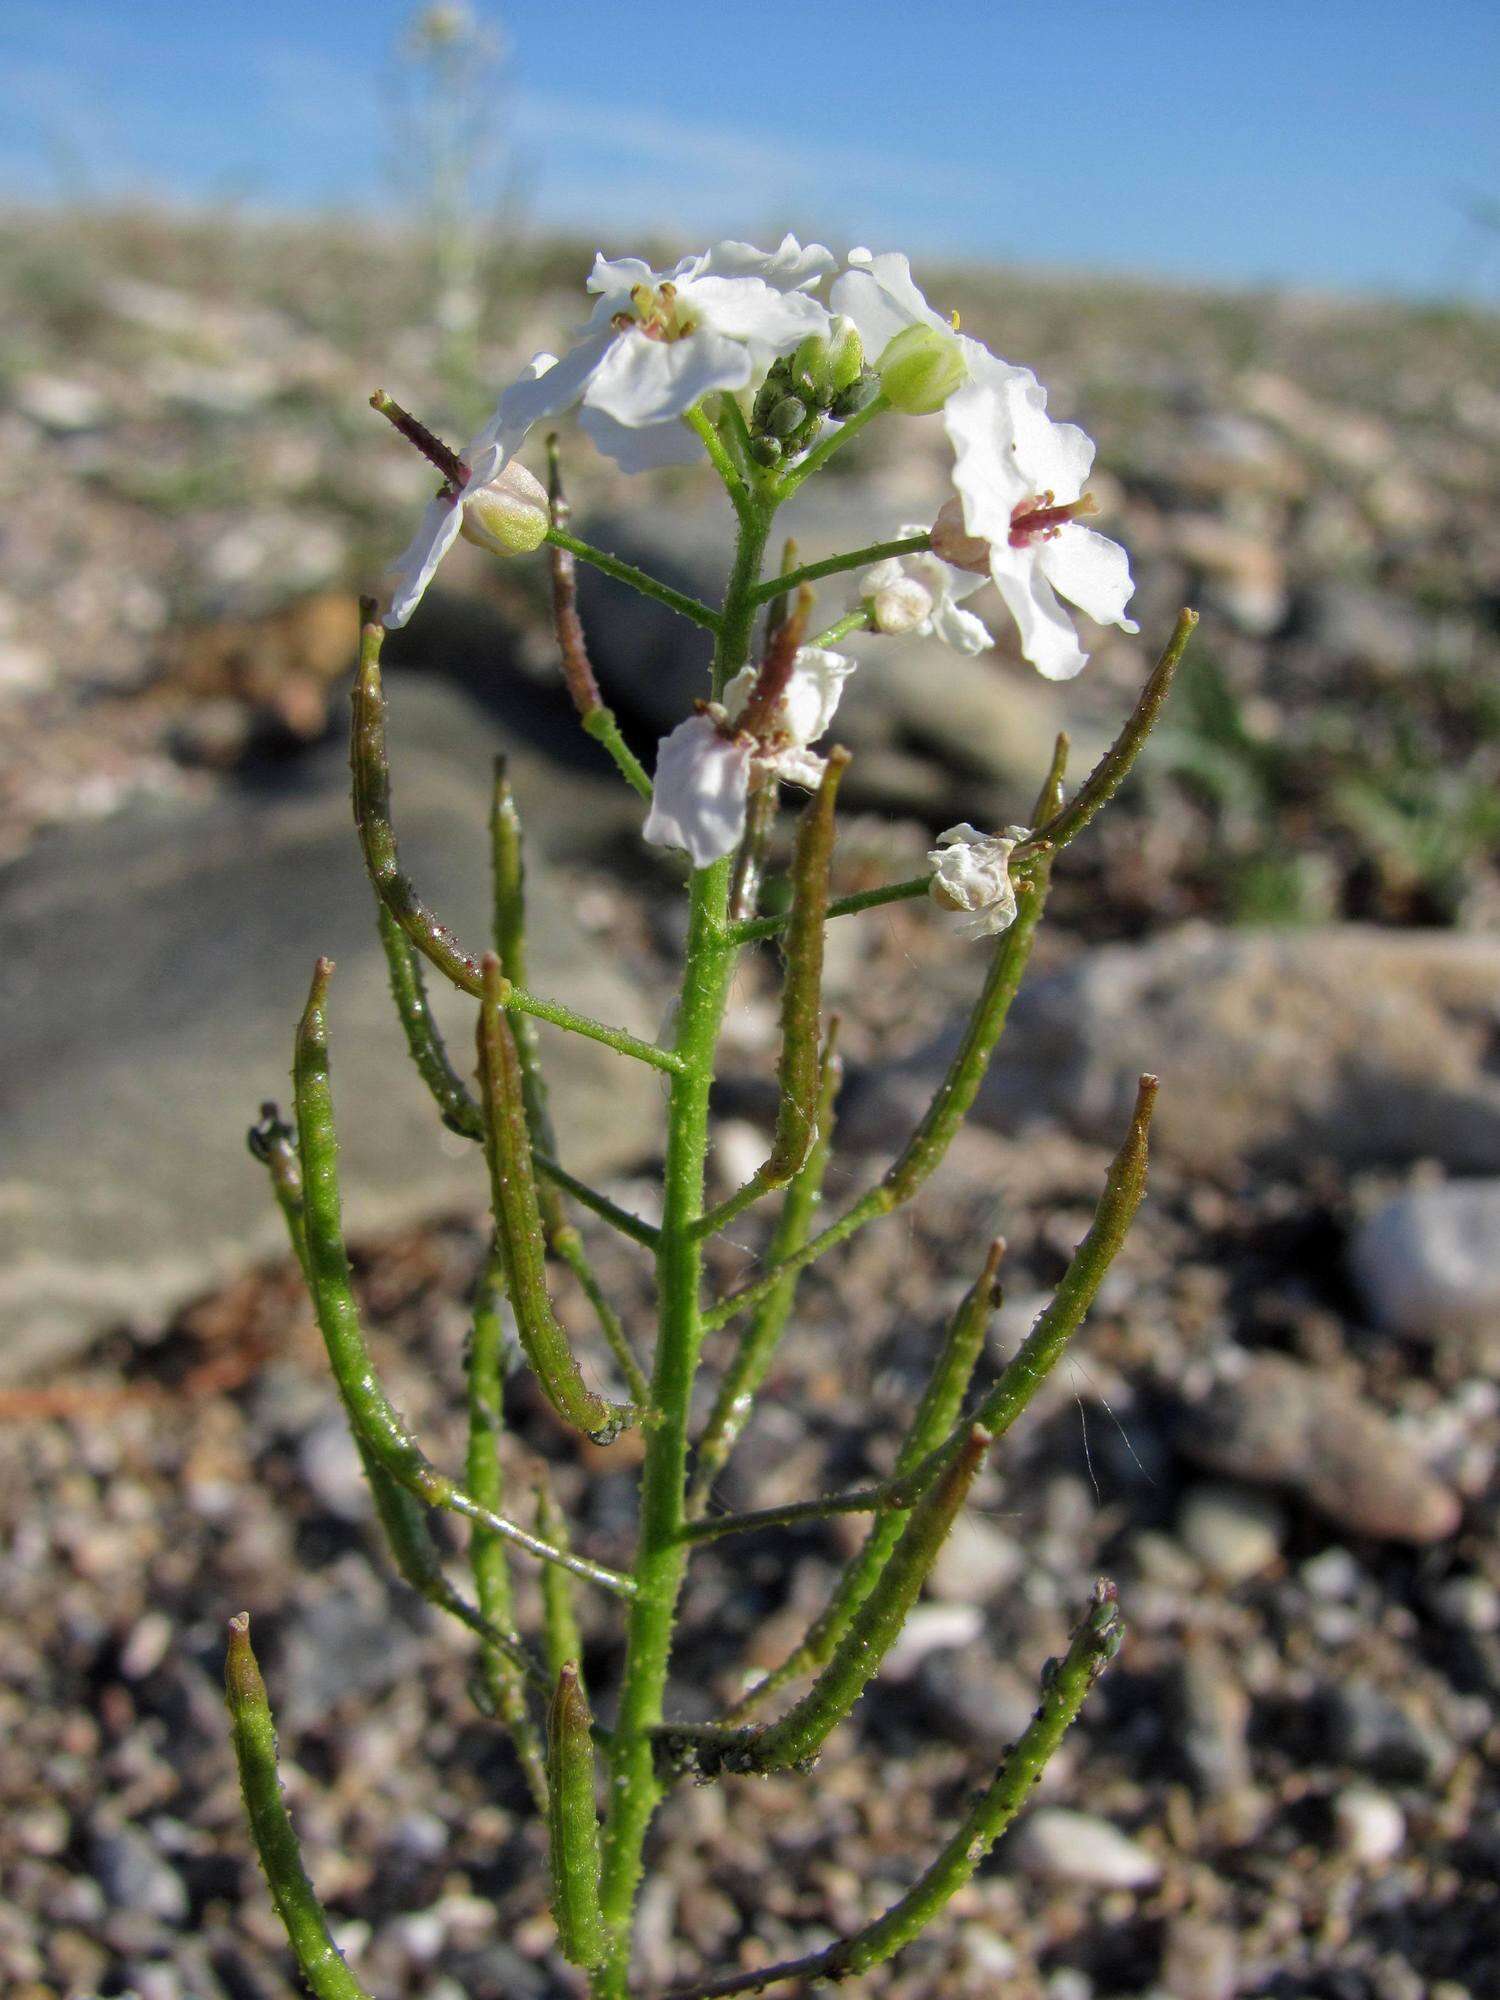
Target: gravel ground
1287	1779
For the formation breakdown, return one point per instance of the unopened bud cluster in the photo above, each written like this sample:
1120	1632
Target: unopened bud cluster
825	377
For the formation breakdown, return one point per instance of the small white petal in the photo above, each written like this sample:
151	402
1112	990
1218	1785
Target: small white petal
1047	636
642	448
545	391
812	693
413	571
698	798
960	629
750	309
971	875
644	381
986	473
789	267
1091	571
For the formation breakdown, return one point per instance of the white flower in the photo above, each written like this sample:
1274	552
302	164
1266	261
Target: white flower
499	506
883	299
659	341
922	594
700	789
804	712
1021	479
703	769
971	874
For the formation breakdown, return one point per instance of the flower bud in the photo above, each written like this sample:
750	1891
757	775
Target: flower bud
900	605
952	541
509	516
863	389
765	450
786	416
846	354
920	368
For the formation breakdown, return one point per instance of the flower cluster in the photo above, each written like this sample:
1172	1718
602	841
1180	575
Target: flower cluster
733	350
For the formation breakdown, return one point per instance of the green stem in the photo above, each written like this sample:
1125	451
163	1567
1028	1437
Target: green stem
635	1785
633	1226
758	1343
317	1956
488	1561
820	456
755	928
602	724
949	1106
857	620
638	579
1065	1687
741	497
906	545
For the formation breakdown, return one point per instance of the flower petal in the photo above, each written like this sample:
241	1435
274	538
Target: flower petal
413	569
881	297
541	391
1047	636
643	381
750	309
986	474
1091	571
645	448
960	629
789	267
698	800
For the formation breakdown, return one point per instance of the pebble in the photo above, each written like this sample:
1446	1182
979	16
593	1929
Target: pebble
329	1462
976	1563
929	1629
1371	1826
135	1877
1428	1266
1214	1716
1379	1734
1077	1847
1234	1532
1199	1960
1282	1423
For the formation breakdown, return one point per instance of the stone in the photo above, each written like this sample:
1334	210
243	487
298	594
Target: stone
976	1562
1371	1827
1368	1046
1068	1846
1390	1738
348	1645
1427	1265
152	969
1280	1423
135	1876
1235	1533
1212	1710
1199	1960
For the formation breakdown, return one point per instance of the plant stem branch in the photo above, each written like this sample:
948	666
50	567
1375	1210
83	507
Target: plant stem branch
638	579
905	545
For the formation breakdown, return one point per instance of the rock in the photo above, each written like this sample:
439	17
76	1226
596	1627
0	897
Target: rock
1199	1960
153	970
1390	1739
1213	1711
347	1645
1365	1045
1280	1423
1233	1532
1350	621
1077	1847
330	1463
1370	1825
931	1628
972	1699
59	404
1428	1266
976	1562
135	1876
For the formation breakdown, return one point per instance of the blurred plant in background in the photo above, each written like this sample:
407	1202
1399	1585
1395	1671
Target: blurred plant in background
449	157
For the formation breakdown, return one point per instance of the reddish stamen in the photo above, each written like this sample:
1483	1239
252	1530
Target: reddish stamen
1038	519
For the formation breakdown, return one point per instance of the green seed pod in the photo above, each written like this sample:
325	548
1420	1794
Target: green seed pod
765	450
574	1822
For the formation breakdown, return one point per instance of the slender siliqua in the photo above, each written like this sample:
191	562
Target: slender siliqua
598	1777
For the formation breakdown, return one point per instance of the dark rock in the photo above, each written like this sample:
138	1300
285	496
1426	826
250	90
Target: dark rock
153	970
1280	1423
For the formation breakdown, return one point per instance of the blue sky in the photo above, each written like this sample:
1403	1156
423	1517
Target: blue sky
1317	142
